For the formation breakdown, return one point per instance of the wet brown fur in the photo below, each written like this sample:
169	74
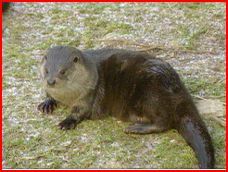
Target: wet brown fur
137	87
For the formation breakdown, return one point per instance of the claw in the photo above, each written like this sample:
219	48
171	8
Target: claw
44	108
51	108
47	106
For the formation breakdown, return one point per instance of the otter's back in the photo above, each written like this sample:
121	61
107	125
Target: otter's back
137	83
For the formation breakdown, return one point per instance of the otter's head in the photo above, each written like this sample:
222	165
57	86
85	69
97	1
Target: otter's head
61	66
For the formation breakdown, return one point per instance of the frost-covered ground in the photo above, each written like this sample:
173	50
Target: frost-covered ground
191	36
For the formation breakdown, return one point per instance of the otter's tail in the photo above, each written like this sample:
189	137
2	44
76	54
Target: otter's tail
194	131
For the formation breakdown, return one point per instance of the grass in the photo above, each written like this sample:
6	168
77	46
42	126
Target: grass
33	140
212	88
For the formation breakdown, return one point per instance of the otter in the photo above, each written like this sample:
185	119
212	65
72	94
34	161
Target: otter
129	85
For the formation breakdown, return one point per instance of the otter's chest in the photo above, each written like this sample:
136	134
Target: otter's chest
65	96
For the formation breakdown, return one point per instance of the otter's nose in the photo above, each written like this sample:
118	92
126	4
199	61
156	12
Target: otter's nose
51	82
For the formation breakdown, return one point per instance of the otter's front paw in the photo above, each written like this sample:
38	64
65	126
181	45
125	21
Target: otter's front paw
68	124
47	106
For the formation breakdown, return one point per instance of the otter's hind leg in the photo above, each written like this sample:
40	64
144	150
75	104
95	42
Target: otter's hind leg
144	128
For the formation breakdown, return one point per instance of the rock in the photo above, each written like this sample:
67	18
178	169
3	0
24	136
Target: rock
210	107
214	109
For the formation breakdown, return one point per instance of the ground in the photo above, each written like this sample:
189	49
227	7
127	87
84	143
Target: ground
190	36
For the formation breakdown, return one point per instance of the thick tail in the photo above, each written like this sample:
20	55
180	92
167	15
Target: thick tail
192	128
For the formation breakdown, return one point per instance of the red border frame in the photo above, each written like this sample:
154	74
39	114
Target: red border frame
115	170
115	1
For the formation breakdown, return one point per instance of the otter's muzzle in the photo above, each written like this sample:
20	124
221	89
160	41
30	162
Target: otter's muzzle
51	82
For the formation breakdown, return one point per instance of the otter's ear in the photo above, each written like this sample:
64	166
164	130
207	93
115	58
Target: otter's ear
76	59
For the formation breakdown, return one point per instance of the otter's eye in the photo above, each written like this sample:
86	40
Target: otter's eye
75	59
62	72
46	70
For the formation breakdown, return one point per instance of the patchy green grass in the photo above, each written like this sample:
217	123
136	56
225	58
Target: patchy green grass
210	87
33	140
192	37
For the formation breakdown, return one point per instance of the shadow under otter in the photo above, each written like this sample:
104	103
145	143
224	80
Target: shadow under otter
129	85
